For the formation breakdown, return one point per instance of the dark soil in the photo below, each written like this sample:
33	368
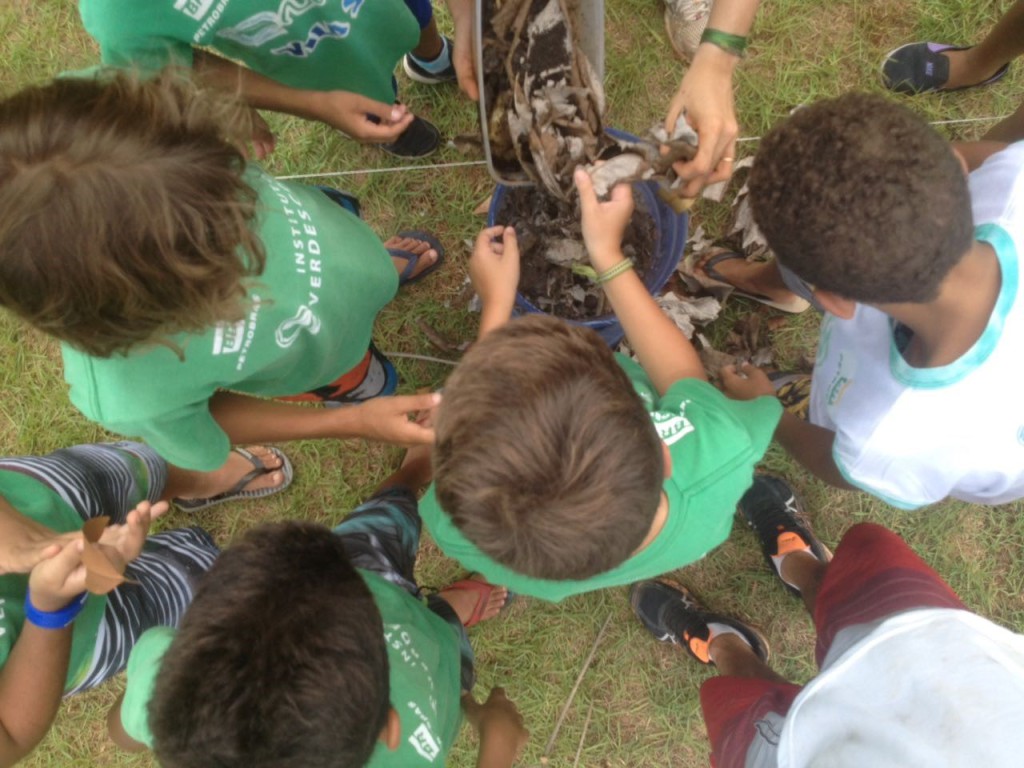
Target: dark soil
540	220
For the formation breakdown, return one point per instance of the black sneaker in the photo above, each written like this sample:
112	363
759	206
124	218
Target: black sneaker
772	509
416	72
418	140
672	614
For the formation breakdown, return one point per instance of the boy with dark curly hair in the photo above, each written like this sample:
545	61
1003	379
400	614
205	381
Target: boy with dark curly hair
915	394
133	231
562	468
312	648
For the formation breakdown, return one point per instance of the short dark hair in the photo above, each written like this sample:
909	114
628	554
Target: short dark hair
280	660
546	458
859	196
124	215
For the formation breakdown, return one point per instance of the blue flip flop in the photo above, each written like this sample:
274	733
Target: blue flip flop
404	278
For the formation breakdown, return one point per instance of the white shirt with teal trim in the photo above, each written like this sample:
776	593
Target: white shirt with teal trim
913	436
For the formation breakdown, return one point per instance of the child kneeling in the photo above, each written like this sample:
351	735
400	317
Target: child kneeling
55	638
562	468
309	647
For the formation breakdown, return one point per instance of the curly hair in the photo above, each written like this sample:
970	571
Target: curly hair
280	660
124	217
859	196
546	458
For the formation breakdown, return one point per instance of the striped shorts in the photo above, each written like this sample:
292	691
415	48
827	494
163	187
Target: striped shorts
111	479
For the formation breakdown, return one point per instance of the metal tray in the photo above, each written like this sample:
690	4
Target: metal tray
591	36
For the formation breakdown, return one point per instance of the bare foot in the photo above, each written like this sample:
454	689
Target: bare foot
420	248
758	278
464	601
201	485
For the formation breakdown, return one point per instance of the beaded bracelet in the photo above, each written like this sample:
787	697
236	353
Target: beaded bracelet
54	619
728	42
623	266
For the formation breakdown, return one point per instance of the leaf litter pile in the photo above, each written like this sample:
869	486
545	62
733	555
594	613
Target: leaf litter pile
544	104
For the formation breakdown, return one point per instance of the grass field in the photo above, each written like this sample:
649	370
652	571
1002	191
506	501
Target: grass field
642	696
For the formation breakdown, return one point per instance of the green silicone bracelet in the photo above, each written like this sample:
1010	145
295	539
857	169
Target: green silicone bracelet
623	266
728	42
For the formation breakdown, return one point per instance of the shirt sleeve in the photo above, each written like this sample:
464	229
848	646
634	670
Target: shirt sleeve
189	438
904	482
758	417
143	666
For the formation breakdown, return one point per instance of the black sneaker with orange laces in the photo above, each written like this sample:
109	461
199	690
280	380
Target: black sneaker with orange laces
672	614
772	509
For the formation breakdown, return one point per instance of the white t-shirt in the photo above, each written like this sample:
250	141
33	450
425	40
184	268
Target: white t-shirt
934	687
913	436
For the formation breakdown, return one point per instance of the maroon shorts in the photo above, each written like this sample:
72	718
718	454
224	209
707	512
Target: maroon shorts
874	575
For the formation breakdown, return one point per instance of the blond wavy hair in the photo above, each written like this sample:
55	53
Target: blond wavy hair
124	217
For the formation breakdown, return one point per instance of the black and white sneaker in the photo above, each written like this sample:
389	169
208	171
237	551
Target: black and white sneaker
772	509
673	615
416	71
420	139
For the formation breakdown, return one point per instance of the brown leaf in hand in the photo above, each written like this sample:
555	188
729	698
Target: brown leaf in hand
102	572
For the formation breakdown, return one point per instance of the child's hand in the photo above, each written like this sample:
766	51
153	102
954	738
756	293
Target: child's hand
745	382
603	223
494	266
386	419
56	581
123	543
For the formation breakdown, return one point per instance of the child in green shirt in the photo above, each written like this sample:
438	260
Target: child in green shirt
56	639
311	647
172	272
561	468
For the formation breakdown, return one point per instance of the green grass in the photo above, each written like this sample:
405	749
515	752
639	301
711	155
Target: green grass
644	696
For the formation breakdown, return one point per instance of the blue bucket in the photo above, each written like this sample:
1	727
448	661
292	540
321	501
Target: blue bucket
670	239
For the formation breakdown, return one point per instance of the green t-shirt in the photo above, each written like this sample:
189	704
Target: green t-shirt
350	45
312	311
424	662
38	502
715	443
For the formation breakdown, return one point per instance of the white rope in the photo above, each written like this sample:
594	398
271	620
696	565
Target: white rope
384	170
469	163
425	358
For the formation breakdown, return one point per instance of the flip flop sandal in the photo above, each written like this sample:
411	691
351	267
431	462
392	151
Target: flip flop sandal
237	492
794	306
793	391
404	278
483	590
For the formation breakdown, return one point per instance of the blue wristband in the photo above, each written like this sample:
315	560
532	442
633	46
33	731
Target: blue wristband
54	619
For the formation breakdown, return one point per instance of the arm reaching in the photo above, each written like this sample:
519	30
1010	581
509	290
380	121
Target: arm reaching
664	352
705	97
463	56
359	117
809	444
32	680
248	420
494	270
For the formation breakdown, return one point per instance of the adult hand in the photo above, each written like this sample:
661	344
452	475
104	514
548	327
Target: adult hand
361	118
603	223
463	50
494	267
705	96
387	419
746	382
